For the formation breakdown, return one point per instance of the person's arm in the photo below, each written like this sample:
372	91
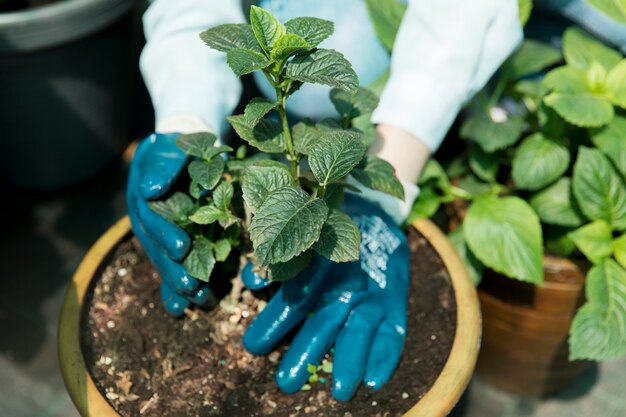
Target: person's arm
191	86
444	52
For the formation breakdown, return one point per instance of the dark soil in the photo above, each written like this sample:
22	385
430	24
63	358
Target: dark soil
149	364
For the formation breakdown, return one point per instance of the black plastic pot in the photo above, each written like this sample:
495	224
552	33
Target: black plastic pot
66	73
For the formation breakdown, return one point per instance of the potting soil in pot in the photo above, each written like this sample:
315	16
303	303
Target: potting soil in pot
149	364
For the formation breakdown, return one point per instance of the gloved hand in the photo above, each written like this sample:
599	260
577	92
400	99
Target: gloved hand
359	306
155	167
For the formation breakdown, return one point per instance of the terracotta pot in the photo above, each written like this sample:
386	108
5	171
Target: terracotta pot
525	329
437	402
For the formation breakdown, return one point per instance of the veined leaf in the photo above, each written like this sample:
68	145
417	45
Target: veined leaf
616	84
323	66
379	175
554	205
594	240
208	215
304	135
231	36
290	269
223	194
584	110
619	249
598	331
473	265
288	45
599	190
288	222
266	135
580	50
505	235
567	79
490	135
206	174
221	249
611	140
352	105
259	181
334	158
312	29
267	29
176	208
340	238
531	58
200	260
386	16
201	145
256	109
538	162
245	61
483	164
334	195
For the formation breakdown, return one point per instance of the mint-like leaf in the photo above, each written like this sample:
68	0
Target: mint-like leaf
594	240
554	205
473	265
531	58
333	159
584	110
323	66
491	135
312	29
599	190
386	16
288	45
256	109
290	269
231	36
611	140
334	195
259	181
267	29
245	61
580	50
425	206
567	79
352	105
176	208
538	162
598	331
222	249
505	235
379	175
200	260
287	224
340	238
619	249
206	174
223	195
208	215
616	84
266	135
201	145
484	165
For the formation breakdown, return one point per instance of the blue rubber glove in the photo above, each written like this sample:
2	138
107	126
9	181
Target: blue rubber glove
360	307
155	167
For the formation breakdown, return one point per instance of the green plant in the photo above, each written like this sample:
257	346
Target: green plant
546	168
293	212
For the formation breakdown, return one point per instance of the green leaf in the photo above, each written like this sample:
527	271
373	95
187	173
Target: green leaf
304	134
201	145
312	29
598	331
176	208
287	224
379	175
386	16
334	195
525	10
490	135
323	66
206	174
567	79
290	269
505	235
208	215
616	84
288	45
425	206
200	260
558	242
352	105
583	110
599	190
538	162
580	50
433	171
222	249
267	29
611	140
473	265
259	181
554	205
195	190
484	165
531	58
596	78
223	195
615	9
245	61
619	249
473	185
256	109
340	238
228	220
594	240
266	135
334	158
231	36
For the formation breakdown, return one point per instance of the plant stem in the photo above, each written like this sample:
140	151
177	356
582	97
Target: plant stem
497	93
280	108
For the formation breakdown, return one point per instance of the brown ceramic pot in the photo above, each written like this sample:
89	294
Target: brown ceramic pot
525	329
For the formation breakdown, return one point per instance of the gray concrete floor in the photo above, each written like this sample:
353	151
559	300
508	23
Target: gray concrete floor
44	236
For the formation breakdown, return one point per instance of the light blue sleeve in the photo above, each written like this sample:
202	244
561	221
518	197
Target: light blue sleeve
185	78
445	51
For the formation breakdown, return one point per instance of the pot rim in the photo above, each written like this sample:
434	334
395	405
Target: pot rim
57	23
437	402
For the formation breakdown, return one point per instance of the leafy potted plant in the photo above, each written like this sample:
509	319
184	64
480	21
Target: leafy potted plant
122	355
52	56
540	196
